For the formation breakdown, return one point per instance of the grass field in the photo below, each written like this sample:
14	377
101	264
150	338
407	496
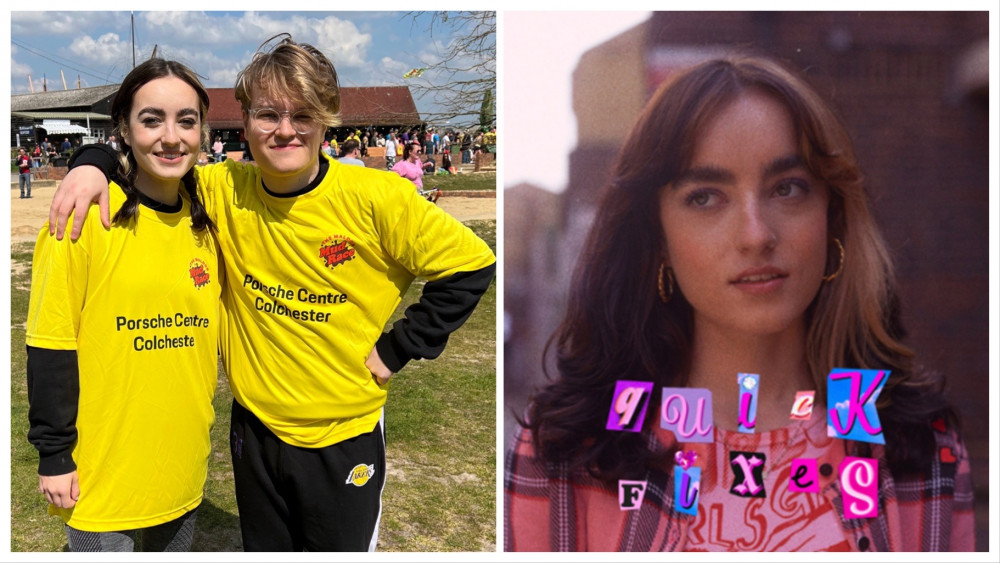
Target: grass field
478	181
440	439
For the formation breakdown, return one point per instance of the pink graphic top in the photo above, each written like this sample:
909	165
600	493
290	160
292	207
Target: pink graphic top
552	508
783	520
411	171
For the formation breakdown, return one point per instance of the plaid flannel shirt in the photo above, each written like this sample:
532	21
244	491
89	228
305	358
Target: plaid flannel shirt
549	507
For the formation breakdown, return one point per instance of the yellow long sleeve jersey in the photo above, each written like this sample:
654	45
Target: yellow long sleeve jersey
313	278
135	311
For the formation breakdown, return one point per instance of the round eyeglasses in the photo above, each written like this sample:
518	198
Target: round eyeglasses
268	119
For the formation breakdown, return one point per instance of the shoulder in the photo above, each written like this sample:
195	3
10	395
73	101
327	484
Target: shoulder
951	454
527	478
116	197
370	183
525	472
947	472
225	174
521	451
942	493
93	229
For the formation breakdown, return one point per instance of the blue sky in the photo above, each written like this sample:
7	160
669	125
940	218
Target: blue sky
367	48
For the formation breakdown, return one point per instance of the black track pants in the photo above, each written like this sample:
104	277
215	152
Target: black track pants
295	499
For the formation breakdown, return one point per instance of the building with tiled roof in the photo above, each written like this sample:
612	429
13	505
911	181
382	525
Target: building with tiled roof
377	106
96	99
81	114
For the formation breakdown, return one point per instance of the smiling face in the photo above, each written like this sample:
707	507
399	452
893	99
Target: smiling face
164	132
413	152
746	225
288	155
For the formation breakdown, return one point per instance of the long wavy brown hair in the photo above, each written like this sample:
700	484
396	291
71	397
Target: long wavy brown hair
617	327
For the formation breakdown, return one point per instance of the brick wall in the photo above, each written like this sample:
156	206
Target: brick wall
50	172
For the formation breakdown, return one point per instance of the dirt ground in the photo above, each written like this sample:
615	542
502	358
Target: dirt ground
29	215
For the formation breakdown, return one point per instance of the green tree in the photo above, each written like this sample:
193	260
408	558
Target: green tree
487	111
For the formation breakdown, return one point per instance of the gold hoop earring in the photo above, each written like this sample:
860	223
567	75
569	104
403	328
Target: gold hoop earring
665	296
840	268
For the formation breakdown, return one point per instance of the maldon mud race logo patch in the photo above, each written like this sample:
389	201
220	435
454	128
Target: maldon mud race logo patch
199	273
360	474
336	250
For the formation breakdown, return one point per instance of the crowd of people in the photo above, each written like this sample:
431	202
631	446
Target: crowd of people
440	148
438	145
43	152
438	152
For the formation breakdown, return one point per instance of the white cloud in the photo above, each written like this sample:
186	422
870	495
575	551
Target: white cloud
389	64
60	22
222	77
19	69
339	39
185	27
108	49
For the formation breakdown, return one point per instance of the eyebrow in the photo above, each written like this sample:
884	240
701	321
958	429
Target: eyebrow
716	174
155	111
706	174
158	112
783	164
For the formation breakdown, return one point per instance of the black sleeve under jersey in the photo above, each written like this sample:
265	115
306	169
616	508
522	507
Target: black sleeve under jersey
103	157
424	329
53	403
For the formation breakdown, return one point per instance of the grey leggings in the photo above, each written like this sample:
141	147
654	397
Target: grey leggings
175	535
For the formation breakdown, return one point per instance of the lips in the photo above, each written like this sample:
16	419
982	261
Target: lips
170	155
758	276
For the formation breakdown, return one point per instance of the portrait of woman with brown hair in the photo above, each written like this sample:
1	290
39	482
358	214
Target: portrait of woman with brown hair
735	236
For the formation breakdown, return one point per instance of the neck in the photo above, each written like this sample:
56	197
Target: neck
779	358
291	182
163	191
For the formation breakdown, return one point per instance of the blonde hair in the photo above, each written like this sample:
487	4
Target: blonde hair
296	70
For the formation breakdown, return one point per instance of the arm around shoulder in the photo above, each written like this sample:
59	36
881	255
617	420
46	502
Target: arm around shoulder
90	168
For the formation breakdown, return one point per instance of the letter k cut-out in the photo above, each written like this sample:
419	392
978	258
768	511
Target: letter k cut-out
847	404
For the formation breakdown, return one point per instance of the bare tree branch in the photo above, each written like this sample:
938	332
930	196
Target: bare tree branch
457	83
